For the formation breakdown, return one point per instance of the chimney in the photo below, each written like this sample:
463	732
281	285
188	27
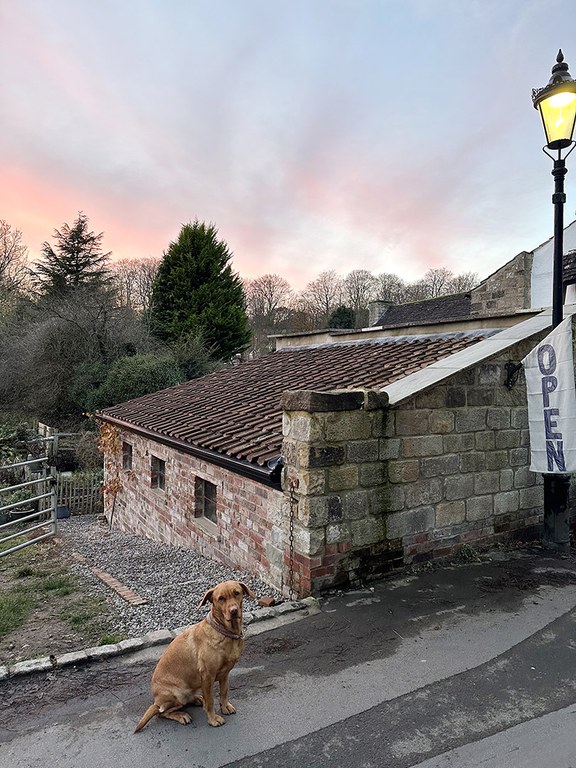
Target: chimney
376	309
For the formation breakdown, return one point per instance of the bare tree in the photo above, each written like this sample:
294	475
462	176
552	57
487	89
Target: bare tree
146	272
323	295
268	301
464	282
360	287
266	295
14	271
390	287
133	279
419	290
438	281
300	319
123	281
61	348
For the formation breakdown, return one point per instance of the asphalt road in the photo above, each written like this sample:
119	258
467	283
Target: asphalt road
460	667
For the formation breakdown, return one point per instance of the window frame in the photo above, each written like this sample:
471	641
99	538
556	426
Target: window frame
205	500
127	455
157	473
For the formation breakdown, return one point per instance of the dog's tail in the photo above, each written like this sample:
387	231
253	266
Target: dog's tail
152	710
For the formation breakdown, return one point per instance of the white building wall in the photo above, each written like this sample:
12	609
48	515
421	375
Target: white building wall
542	266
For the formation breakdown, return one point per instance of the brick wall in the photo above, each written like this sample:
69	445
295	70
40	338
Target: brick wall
250	533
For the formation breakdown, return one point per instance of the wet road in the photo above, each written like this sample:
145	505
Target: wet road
453	667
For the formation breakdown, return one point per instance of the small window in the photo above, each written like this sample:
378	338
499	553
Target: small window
126	456
157	473
204	499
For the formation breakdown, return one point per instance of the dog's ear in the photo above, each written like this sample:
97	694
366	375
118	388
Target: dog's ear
247	591
207	598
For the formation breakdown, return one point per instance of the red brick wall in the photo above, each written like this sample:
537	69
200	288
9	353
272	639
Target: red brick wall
250	530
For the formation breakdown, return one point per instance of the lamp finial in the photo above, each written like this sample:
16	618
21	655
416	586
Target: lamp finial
560	72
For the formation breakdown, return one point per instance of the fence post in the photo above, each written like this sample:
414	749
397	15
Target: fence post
53	499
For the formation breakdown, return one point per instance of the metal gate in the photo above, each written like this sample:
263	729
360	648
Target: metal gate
40	518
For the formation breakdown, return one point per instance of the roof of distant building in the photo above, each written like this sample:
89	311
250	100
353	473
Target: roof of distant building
447	308
437	310
570	267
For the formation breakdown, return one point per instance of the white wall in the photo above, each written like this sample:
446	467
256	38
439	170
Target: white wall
541	286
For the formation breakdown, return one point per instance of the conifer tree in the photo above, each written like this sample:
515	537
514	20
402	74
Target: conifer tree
342	317
76	261
196	293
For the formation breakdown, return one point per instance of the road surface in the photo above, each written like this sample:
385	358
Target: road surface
453	668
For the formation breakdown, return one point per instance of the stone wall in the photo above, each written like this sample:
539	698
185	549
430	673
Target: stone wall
250	533
507	289
458	458
333	443
379	487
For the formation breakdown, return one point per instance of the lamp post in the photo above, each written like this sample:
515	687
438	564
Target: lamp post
556	103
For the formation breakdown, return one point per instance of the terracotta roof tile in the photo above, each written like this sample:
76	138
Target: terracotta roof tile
236	412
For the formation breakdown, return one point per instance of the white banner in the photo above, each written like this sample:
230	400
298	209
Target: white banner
549	370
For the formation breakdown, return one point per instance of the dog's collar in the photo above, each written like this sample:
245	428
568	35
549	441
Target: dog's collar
222	630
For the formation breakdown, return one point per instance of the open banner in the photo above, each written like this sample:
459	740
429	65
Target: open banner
549	370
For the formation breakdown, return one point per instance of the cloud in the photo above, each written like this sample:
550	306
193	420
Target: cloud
334	135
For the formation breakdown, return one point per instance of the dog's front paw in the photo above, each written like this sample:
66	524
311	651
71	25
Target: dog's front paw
227	708
216	721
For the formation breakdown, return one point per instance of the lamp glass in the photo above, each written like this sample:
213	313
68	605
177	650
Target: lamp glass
558	113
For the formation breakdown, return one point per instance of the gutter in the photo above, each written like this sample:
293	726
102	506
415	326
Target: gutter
269	475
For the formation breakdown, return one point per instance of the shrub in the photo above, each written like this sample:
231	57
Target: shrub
134	376
87	453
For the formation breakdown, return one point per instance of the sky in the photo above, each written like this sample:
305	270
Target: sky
388	135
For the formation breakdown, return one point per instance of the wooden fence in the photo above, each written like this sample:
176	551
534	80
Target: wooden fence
81	495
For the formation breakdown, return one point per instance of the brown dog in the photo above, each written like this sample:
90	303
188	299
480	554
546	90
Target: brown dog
202	654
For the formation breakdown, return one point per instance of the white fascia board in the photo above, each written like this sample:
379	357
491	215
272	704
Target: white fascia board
460	361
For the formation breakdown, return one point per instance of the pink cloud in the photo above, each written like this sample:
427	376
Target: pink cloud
310	177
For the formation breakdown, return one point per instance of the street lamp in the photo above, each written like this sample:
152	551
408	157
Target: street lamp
556	103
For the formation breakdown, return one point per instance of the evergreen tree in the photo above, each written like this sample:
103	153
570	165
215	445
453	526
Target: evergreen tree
76	261
342	317
196	293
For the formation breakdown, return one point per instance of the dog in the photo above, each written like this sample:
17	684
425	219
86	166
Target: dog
202	654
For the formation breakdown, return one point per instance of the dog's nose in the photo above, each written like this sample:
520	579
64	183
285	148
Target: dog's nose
233	610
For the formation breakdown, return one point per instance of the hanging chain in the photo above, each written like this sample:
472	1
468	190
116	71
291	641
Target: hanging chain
293	505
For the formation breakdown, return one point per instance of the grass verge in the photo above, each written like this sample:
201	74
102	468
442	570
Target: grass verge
37	582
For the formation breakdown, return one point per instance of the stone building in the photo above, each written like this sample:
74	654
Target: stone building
346	454
334	462
522	285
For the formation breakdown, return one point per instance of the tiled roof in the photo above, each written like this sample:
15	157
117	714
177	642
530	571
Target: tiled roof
438	310
235	415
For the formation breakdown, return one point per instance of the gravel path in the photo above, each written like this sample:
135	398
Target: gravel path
172	580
